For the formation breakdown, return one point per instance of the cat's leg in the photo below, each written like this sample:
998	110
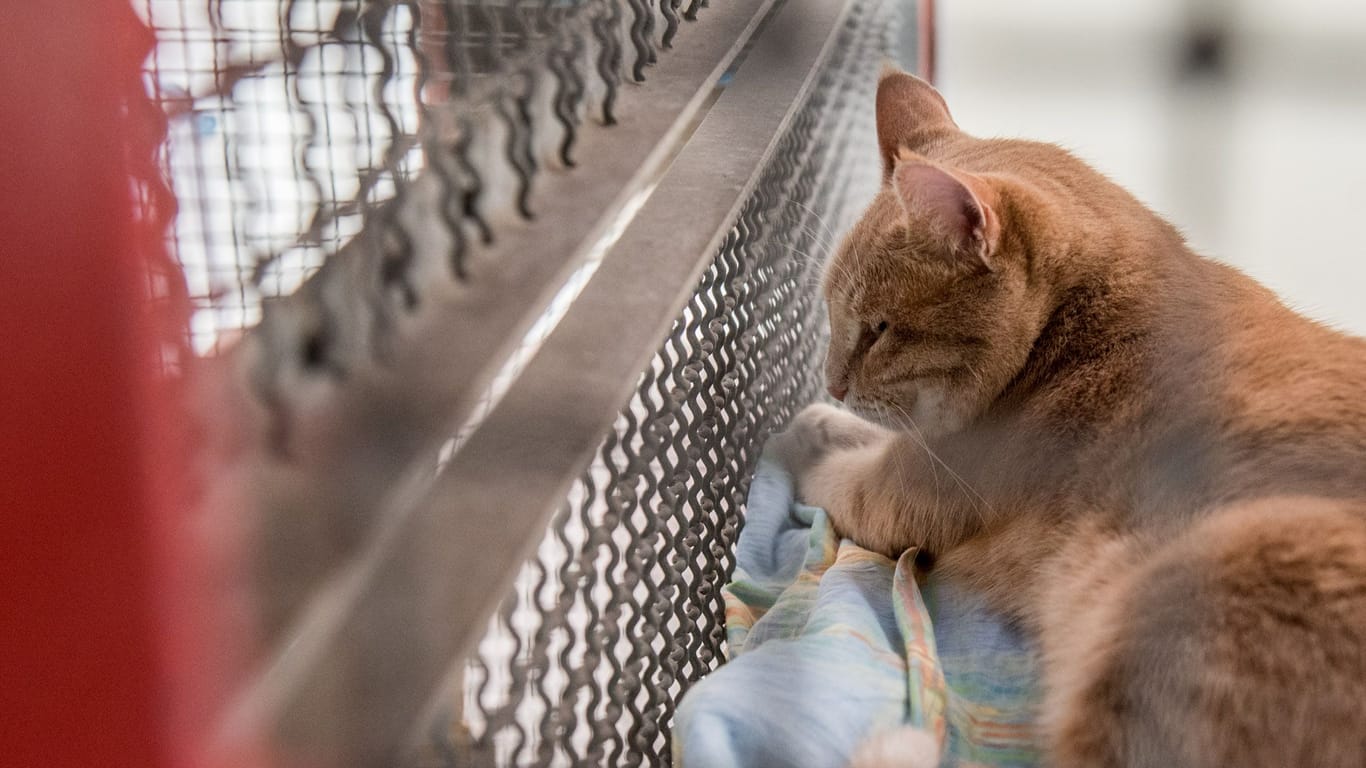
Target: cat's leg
1242	642
1124	645
875	485
1083	615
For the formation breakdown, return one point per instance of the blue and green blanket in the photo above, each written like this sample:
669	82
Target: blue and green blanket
835	649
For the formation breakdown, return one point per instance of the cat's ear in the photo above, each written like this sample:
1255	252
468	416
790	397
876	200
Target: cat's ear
909	113
954	208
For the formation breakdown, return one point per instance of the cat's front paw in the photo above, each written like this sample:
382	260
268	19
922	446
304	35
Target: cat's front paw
818	431
844	485
838	461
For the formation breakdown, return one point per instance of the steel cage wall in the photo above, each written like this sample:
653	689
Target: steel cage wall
399	221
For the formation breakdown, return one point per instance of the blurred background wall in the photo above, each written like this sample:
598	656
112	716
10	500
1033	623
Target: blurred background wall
1243	122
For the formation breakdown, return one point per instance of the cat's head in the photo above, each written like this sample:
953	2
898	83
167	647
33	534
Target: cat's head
932	307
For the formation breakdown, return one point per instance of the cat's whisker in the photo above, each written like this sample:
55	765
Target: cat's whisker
816	238
963	484
856	270
807	230
829	245
814	214
814	260
884	409
813	278
887	417
812	257
812	281
844	271
975	375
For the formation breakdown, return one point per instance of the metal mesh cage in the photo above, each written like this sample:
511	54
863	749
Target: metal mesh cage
294	122
620	610
342	166
278	141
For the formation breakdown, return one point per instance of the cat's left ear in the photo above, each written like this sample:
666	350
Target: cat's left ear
955	208
910	114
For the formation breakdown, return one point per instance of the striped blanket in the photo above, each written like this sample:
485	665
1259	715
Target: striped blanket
837	655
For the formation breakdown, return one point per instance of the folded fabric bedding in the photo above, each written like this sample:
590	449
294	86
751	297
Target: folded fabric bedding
837	655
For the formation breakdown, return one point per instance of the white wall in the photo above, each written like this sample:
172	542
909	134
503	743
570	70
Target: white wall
1264	168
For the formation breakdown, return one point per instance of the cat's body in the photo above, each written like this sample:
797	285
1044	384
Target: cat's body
1137	453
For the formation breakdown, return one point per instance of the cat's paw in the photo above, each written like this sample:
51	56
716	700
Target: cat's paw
818	431
836	460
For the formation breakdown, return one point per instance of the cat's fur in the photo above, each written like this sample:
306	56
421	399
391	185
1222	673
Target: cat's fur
1138	454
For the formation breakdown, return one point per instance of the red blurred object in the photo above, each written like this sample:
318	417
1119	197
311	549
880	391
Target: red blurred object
98	628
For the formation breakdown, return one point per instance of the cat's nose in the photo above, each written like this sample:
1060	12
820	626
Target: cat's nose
838	391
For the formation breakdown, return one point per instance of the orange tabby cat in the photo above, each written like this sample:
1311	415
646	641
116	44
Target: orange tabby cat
1138	454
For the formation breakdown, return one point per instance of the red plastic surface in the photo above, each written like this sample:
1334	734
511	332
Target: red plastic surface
93	640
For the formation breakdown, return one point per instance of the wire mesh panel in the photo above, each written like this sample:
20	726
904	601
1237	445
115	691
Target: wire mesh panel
294	122
620	610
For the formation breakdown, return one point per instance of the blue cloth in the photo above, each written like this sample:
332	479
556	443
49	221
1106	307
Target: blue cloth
830	644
